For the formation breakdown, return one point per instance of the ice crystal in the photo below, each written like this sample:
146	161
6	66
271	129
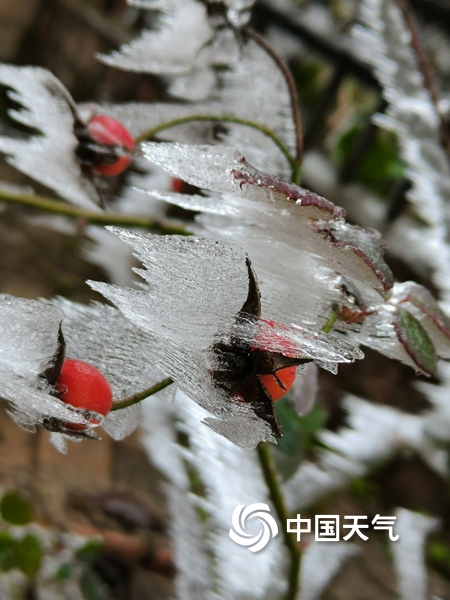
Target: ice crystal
408	551
48	154
156	52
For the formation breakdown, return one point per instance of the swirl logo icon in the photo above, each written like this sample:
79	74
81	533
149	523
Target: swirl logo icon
256	540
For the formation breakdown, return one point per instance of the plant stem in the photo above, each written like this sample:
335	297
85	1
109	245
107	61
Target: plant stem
297	162
142	395
424	65
328	326
100	217
276	495
267	131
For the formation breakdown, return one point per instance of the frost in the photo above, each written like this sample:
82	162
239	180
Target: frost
386	44
408	551
156	52
321	562
374	434
48	155
193	580
232	476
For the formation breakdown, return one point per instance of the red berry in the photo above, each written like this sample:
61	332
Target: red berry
177	185
110	132
83	386
276	390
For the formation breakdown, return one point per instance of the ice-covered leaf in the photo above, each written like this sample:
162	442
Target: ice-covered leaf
224	169
321	562
294	341
422	305
412	529
189	306
308	239
416	341
48	154
159	51
362	244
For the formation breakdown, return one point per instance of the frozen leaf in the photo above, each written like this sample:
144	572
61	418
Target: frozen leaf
321	562
308	239
420	303
416	341
225	170
362	244
190	307
157	51
412	529
296	342
48	154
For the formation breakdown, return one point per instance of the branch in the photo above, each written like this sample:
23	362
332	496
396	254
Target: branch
425	67
136	398
100	218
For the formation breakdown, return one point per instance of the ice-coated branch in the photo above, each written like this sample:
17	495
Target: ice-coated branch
101	218
140	396
267	131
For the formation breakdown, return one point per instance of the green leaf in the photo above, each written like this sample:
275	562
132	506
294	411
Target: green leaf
15	509
290	423
416	341
380	165
89	552
7	554
28	555
92	587
64	572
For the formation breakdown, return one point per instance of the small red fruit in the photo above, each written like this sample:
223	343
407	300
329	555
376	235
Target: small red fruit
107	131
278	384
83	386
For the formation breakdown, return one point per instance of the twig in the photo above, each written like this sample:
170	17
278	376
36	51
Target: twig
294	101
101	218
151	133
425	67
276	495
136	398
